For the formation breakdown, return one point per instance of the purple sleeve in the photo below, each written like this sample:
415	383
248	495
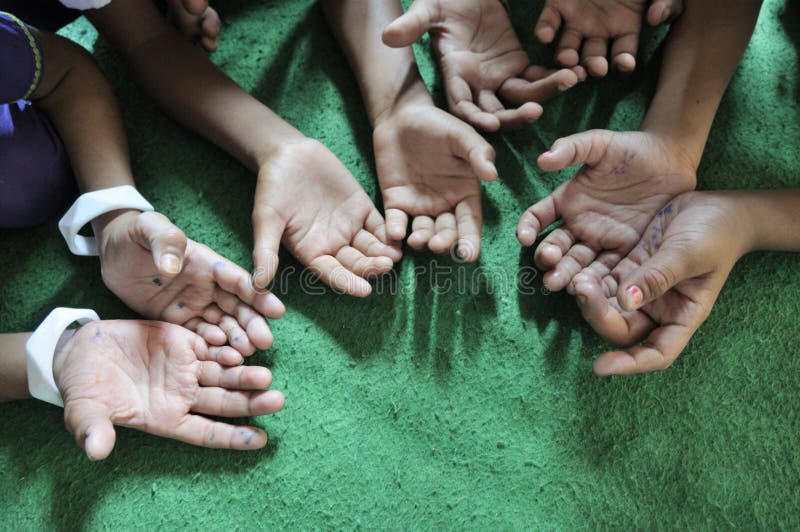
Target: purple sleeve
20	60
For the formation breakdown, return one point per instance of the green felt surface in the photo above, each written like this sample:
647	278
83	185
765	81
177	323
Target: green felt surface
434	407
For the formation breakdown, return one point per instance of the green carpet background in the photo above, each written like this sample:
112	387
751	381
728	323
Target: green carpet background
429	408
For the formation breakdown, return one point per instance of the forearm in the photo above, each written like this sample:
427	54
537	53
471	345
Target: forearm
387	77
13	372
78	100
702	51
188	86
774	216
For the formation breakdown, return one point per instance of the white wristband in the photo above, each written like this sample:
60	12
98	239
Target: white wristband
40	350
91	205
85	4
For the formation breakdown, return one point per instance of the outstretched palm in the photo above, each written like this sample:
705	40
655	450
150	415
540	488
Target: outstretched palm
203	291
428	168
157	377
482	61
310	201
626	179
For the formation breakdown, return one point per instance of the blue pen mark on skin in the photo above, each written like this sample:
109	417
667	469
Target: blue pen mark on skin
181	305
157	281
211	436
665	210
626	159
247	435
219	264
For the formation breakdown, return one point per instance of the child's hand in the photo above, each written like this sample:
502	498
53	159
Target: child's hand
156	377
309	200
666	286
151	266
482	61
428	166
587	25
625	180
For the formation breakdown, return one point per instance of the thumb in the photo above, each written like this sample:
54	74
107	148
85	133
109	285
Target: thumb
588	147
165	241
268	227
410	26
468	145
662	11
657	275
90	423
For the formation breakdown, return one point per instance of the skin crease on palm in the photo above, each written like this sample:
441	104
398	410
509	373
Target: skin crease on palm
151	266
162	379
665	288
337	232
587	26
482	61
637	170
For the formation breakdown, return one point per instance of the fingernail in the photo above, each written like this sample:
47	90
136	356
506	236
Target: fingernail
563	86
636	295
549	152
170	264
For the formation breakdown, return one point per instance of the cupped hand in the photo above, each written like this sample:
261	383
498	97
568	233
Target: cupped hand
482	61
587	26
161	379
307	199
151	266
665	288
429	163
625	180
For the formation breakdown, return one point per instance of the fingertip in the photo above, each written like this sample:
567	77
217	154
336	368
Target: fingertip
614	363
624	63
99	442
545	33
596	66
468	250
567	57
526	235
259	333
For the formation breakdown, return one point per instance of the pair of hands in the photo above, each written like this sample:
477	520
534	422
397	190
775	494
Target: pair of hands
645	257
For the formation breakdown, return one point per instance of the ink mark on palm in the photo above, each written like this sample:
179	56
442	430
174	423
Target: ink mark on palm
624	162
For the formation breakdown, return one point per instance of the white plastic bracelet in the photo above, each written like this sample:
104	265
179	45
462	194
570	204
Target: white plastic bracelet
91	205
41	347
85	4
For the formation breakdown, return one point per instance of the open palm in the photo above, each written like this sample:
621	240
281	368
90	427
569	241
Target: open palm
151	266
428	165
309	200
625	180
482	61
159	378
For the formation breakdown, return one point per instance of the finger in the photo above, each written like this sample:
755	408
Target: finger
334	274
608	321
213	314
167	243
212	334
361	265
268	227
468	145
369	245
539	85
90	422
422	230
662	11
568	46
210	29
253	323
593	56
548	24
215	401
600	268
520	117
469	220
588	147
662	348
195	7
578	257
553	248
236	281
221	354
237	378
445	234
376	225
198	430
237	337
538	216
655	277
459	99
408	28
623	52
396	224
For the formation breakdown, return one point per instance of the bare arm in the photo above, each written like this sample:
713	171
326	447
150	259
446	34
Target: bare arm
13	373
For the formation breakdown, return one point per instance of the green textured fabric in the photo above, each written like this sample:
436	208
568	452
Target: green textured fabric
430	408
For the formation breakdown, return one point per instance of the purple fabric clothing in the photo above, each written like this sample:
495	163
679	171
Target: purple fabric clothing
35	176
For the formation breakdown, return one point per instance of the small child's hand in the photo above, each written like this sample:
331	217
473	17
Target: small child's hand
588	25
309	200
666	286
150	265
482	61
625	180
158	378
428	166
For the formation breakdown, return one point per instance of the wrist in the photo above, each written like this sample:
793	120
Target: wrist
61	352
414	94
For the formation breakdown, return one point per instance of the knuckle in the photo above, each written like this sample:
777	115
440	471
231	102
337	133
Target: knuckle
657	281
